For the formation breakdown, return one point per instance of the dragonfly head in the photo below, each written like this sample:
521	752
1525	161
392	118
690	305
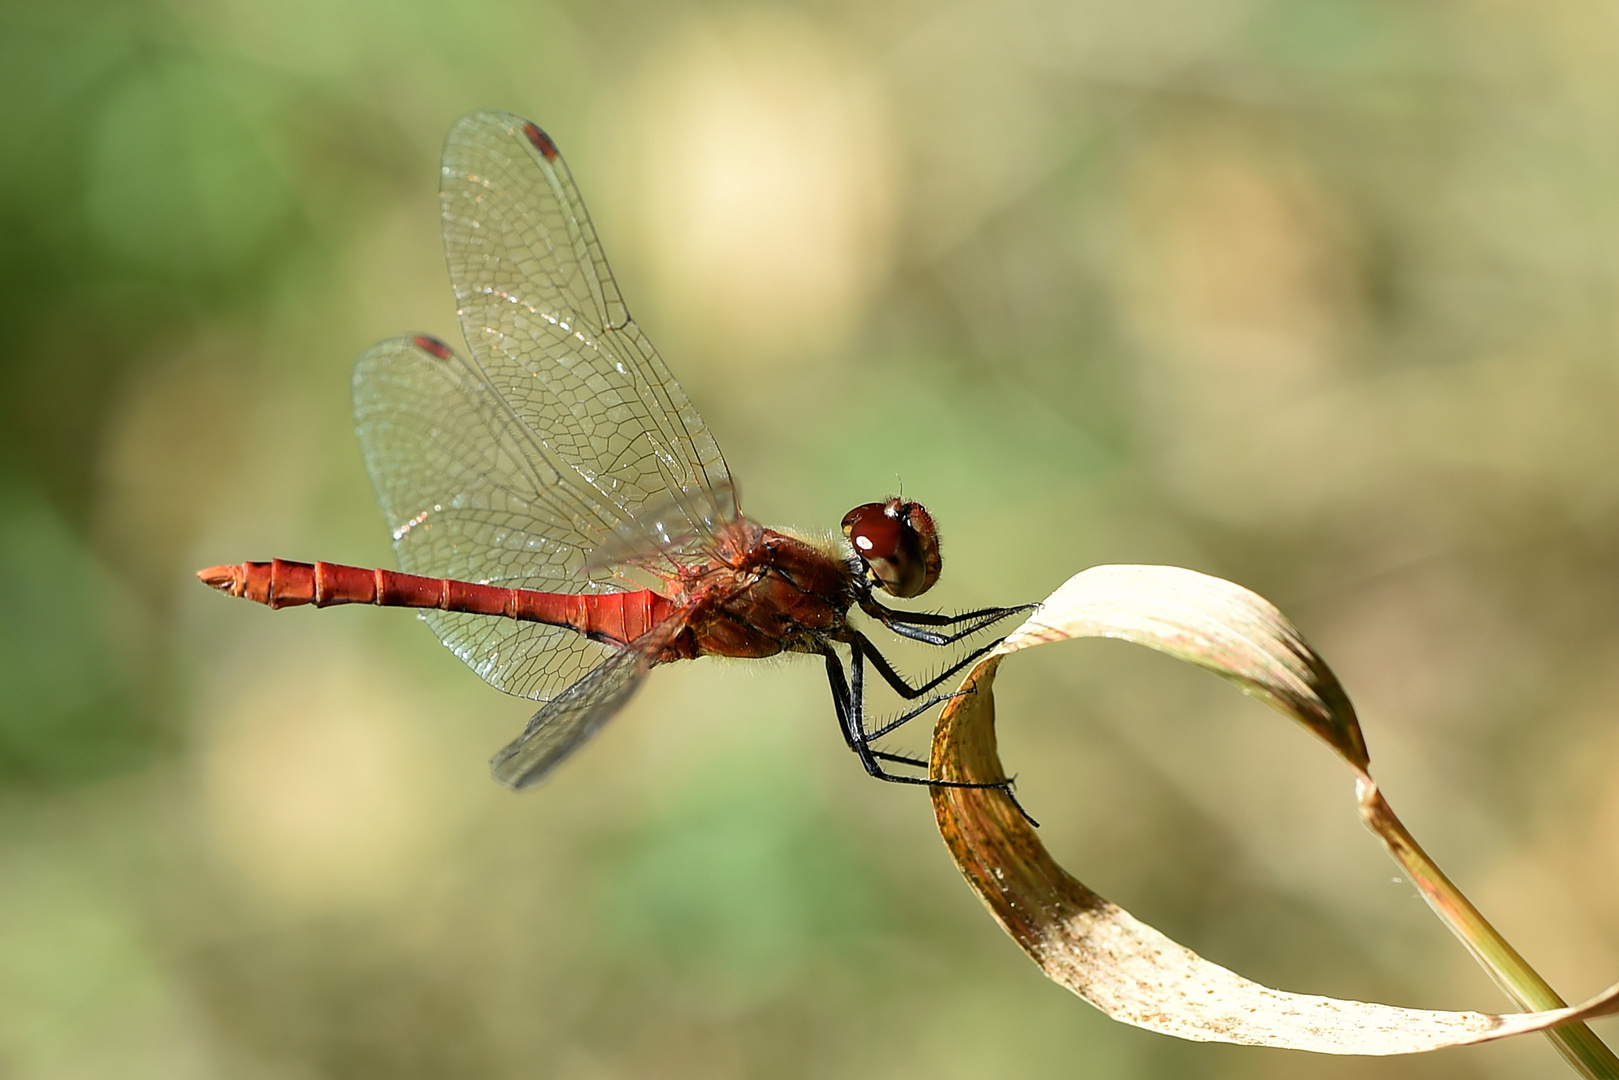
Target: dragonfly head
898	543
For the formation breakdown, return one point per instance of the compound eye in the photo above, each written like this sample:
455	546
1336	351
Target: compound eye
898	543
874	534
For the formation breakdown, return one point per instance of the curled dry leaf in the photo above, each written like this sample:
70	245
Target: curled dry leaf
1098	950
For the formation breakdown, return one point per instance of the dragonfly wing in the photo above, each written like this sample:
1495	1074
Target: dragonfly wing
553	341
461	495
464	500
568	719
563	430
529	660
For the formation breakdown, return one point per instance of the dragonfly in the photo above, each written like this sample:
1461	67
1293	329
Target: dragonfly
562	515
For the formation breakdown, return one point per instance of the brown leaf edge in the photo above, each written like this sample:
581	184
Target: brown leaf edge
1098	950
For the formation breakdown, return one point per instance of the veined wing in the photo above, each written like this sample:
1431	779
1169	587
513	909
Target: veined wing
463	499
569	719
565	429
594	404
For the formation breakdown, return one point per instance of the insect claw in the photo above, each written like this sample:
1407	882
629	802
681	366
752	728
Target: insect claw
1006	787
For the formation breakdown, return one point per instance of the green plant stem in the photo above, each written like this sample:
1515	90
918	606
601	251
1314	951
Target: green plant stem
1577	1043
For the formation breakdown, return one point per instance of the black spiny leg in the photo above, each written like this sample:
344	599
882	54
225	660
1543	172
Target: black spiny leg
929	618
891	726
899	622
859	643
910	623
847	698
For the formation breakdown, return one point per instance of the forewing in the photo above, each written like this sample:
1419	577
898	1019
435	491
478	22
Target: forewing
569	719
464	499
563	430
552	339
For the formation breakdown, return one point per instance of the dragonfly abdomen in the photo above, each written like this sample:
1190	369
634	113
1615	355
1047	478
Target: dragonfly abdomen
619	617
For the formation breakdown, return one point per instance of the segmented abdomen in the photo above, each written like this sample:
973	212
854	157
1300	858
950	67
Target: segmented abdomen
618	617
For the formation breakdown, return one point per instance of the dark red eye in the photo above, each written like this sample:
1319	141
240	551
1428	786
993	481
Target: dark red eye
873	533
898	543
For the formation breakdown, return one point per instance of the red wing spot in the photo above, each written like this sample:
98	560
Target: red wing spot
433	345
542	142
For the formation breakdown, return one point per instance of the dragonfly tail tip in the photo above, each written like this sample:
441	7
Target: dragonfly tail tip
224	578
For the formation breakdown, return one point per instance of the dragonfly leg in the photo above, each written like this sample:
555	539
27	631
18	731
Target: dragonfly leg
910	624
911	714
929	618
847	697
859	644
843	702
933	637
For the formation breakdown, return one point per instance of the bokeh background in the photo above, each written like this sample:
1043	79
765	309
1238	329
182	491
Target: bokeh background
1318	295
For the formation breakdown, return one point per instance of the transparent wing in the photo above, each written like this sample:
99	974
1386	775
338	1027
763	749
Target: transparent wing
585	392
569	719
563	430
464	499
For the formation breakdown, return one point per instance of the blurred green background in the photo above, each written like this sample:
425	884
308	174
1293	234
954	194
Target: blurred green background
1318	295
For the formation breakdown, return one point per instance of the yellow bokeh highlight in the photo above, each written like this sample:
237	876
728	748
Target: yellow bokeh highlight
763	180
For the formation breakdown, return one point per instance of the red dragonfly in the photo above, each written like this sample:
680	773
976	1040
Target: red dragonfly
533	486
